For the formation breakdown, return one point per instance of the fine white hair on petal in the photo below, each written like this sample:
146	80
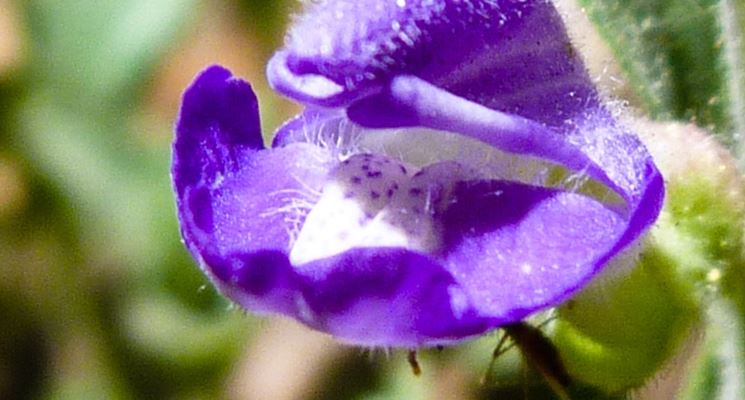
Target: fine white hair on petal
294	205
339	137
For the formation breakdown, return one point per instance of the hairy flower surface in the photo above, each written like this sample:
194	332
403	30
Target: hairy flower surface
411	202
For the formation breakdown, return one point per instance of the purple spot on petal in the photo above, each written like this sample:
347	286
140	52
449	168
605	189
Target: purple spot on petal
374	174
356	180
374	194
415	192
403	169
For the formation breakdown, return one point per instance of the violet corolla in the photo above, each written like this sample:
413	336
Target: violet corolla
408	205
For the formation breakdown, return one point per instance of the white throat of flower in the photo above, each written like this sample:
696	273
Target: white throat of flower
390	192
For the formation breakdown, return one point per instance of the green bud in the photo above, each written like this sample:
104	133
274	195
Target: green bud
616	334
620	331
703	221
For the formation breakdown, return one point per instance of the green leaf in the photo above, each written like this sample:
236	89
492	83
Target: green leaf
94	52
89	59
617	334
121	197
672	53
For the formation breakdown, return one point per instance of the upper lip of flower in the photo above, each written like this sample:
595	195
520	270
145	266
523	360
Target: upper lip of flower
497	258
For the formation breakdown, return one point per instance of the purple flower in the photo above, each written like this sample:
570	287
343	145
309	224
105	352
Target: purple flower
410	204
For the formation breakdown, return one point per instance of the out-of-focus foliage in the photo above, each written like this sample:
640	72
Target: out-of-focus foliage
98	297
684	58
106	301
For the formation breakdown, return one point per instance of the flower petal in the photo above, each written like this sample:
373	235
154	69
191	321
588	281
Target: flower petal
232	195
216	111
505	54
366	296
516	248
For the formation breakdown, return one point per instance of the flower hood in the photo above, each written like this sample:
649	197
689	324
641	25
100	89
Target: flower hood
356	222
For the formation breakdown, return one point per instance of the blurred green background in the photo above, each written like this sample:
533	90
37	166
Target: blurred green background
98	297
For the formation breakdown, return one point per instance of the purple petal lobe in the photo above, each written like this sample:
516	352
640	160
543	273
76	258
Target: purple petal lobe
388	297
217	113
505	54
232	196
516	248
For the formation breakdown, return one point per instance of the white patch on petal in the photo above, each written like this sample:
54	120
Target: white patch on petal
374	201
348	213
